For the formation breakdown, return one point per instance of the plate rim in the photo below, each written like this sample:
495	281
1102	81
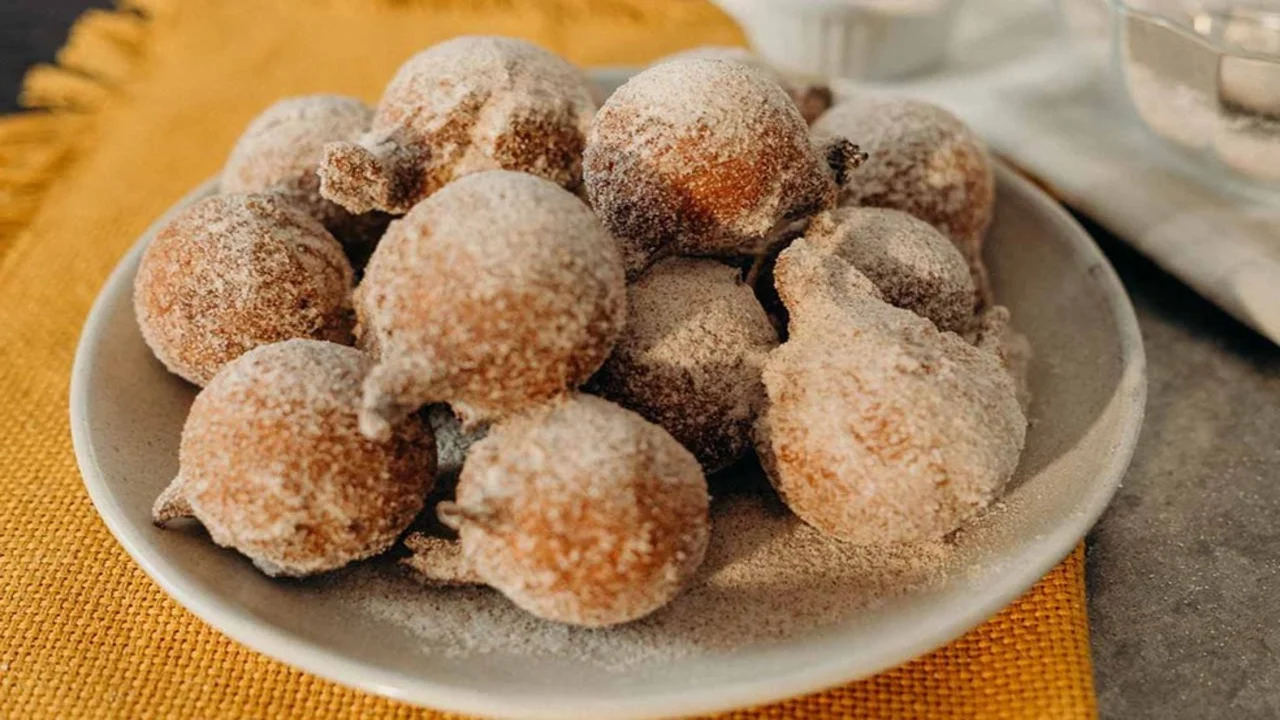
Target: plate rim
1024	570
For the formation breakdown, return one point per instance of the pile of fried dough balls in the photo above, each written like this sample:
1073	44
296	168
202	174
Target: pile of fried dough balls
573	305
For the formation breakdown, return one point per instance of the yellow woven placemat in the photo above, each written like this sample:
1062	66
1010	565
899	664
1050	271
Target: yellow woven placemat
143	105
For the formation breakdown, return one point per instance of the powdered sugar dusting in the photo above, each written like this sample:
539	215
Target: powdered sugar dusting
880	428
273	464
689	358
922	160
233	272
498	292
467	105
811	98
730	53
601	534
914	266
701	157
767	576
438	560
281	150
992	330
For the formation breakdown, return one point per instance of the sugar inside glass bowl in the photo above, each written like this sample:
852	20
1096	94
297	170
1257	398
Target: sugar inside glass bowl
1205	78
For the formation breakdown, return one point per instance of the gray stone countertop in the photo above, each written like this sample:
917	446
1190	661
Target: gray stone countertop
1183	570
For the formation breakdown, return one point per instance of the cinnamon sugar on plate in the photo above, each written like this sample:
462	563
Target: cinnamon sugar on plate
767	576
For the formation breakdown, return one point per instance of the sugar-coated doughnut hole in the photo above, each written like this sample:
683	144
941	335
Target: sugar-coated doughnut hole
498	292
467	105
689	358
281	149
705	157
582	512
879	428
914	266
233	272
273	464
922	160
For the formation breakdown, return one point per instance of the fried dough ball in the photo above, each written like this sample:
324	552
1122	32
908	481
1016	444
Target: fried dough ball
914	266
816	288
273	464
467	105
582	512
878	428
498	292
922	160
281	149
812	99
689	358
236	271
705	157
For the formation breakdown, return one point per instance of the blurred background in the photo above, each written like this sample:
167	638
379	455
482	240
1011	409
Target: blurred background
31	31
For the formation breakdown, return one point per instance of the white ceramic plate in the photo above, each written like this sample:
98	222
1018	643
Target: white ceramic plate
1088	380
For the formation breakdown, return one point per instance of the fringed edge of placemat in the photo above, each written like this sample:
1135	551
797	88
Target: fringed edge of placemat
62	101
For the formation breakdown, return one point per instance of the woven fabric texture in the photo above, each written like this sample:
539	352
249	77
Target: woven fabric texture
144	104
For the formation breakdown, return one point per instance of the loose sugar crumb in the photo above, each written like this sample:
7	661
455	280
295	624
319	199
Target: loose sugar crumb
767	576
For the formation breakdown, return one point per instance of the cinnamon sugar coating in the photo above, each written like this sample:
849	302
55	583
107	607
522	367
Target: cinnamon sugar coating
467	105
914	266
879	428
922	160
273	464
582	512
498	292
705	157
233	272
689	358
281	149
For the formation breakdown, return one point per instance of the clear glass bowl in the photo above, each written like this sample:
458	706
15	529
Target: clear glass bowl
1201	75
